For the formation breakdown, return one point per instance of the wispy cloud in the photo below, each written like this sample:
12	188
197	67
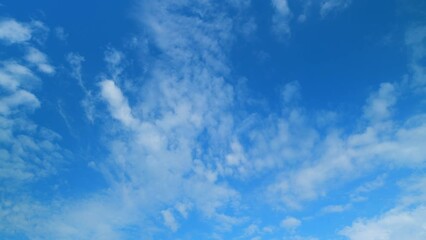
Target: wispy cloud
88	102
39	59
343	157
403	221
406	218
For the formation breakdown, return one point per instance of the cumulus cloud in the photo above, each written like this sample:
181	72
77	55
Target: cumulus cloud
12	31
282	7
290	223
281	17
169	220
328	6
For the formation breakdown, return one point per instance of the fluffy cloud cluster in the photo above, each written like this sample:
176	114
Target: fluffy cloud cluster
284	15
405	220
29	151
165	141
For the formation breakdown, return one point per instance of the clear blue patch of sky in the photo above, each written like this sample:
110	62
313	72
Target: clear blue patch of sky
337	60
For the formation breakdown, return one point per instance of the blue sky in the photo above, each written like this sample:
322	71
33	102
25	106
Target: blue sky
238	119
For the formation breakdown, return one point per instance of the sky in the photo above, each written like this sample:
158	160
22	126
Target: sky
213	119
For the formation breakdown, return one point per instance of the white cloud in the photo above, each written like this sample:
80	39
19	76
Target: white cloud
169	220
88	102
328	6
297	237
236	161
12	31
76	60
183	209
290	223
414	192
291	92
61	34
335	208
304	15
281	7
393	225
379	105
414	40
277	141
256	231
17	99
39	59
118	104
344	162
281	18
16	214
29	152
114	60
14	75
382	142
154	150
157	160
361	191
251	230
